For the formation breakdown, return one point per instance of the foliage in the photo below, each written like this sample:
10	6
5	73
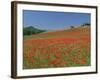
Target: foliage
31	30
86	24
71	27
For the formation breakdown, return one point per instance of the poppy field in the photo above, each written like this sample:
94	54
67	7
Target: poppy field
60	48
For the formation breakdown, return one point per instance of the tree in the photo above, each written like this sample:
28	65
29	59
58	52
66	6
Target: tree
85	24
71	27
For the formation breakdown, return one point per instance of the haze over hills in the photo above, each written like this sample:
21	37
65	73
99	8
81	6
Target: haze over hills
33	30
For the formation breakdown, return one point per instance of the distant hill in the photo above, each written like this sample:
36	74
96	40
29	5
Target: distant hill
79	25
66	33
31	30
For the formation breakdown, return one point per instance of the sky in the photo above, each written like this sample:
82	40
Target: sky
53	20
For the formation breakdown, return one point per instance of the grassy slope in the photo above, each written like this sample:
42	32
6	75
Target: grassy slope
63	48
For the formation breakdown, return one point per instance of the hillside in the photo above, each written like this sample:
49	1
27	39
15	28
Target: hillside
61	48
68	33
31	30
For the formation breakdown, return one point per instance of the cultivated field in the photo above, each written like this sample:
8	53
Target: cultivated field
62	48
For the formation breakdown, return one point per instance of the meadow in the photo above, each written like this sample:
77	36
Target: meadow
60	48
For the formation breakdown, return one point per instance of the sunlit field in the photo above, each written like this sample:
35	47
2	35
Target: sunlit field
61	48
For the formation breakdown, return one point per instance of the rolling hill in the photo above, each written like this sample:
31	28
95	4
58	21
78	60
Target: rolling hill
31	30
61	48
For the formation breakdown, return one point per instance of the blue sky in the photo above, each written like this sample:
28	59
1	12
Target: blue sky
53	20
